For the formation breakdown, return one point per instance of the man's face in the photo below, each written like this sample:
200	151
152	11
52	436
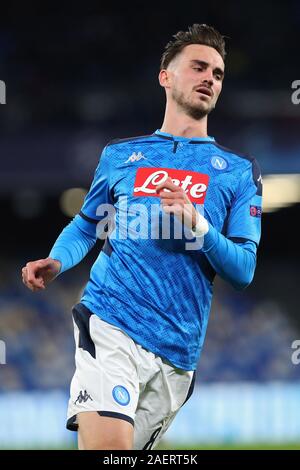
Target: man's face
195	79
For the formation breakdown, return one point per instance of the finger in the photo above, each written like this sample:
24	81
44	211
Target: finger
173	209
34	287
29	284
169	194
44	263
24	275
172	202
168	184
33	266
31	276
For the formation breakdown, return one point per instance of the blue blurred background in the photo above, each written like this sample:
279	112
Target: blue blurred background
77	78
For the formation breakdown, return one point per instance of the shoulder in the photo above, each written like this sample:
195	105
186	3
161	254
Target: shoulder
247	158
245	164
128	140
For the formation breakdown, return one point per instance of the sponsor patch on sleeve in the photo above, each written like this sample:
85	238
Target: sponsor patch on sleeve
255	211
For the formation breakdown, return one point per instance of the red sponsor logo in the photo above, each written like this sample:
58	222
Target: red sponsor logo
193	183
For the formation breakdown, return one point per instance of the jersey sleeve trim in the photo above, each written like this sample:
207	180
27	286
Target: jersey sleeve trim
241	240
88	219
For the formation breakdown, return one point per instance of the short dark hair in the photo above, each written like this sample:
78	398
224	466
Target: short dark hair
196	34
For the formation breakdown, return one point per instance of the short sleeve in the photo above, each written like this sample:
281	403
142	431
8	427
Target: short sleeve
99	192
245	214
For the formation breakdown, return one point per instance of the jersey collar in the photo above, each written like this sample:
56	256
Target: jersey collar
178	138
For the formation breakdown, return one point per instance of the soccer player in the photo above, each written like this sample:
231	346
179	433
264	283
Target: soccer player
142	318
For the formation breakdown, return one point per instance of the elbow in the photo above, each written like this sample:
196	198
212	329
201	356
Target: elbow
244	277
243	281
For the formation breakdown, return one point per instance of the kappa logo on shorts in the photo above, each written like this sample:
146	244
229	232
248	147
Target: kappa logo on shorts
83	397
121	395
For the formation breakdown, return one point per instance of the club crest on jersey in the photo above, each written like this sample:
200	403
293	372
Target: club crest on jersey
194	184
219	163
121	395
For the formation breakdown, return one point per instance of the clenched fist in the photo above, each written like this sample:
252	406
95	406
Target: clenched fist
36	275
175	201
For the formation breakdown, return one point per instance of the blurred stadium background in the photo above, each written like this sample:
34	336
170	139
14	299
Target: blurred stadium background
76	79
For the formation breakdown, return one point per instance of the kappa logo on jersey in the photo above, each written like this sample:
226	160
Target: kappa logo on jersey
218	163
83	397
194	184
121	395
255	211
135	157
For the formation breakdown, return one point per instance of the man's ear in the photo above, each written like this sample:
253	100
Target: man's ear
164	78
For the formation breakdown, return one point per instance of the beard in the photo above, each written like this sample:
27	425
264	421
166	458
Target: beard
195	111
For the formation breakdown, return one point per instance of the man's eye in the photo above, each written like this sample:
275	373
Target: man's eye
198	68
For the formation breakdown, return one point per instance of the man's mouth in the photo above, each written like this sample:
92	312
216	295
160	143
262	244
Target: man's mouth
205	91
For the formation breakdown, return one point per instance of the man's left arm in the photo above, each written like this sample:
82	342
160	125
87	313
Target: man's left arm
233	256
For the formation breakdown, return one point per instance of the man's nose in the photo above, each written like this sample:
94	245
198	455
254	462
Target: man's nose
208	77
208	81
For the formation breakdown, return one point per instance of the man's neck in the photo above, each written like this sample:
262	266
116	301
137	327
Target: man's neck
184	126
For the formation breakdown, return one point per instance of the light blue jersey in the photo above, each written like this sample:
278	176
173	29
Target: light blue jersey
153	287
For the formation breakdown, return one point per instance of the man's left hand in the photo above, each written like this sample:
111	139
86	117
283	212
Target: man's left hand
175	201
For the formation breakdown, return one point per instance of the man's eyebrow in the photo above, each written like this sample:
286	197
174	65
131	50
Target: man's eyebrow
205	64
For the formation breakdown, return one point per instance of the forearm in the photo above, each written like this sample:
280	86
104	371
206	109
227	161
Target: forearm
74	242
234	262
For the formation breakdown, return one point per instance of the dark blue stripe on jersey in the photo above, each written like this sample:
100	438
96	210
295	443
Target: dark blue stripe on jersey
107	248
201	142
82	317
256	173
88	219
167	137
225	223
149	445
191	389
205	266
238	154
175	145
128	139
71	425
113	414
240	240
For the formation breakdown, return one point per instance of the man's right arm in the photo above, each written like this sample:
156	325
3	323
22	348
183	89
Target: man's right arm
76	239
74	243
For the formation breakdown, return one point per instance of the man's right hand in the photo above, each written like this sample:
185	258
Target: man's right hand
38	274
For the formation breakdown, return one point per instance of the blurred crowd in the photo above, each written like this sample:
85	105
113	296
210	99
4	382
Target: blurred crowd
246	340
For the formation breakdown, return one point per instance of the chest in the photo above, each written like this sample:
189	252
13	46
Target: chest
207	179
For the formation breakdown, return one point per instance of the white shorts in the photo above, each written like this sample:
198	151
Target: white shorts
118	378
